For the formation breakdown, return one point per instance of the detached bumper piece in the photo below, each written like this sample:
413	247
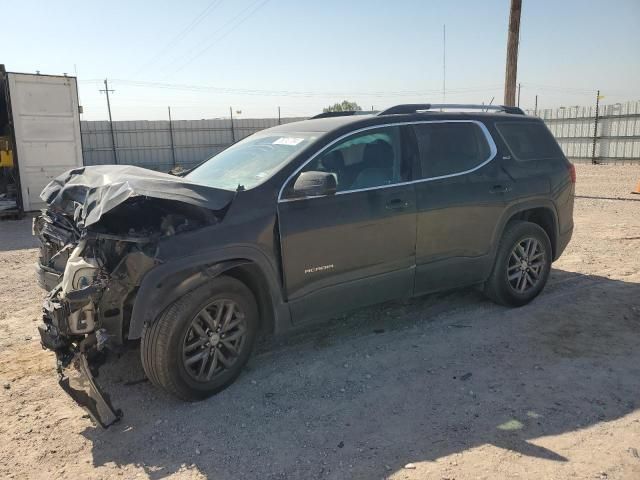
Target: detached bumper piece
80	357
86	393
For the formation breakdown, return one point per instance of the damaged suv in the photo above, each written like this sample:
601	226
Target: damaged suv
294	224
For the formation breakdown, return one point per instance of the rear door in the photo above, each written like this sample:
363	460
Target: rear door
46	122
459	203
355	247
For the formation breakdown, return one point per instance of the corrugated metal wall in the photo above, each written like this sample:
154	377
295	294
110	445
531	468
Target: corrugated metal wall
618	139
148	143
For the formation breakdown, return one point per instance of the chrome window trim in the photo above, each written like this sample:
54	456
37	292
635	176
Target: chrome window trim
493	150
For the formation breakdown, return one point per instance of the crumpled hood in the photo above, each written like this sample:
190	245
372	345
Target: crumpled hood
90	192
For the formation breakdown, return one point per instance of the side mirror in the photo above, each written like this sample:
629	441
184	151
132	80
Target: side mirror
314	184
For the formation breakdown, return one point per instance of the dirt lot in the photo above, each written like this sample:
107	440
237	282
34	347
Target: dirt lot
446	386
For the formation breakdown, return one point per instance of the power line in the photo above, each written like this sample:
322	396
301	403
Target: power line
258	5
183	33
560	89
296	93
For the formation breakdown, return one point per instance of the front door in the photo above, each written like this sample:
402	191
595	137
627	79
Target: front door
357	246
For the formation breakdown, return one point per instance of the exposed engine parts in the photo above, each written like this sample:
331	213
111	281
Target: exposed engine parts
98	239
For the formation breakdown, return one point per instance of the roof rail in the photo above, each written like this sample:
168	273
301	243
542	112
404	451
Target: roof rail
341	114
418	107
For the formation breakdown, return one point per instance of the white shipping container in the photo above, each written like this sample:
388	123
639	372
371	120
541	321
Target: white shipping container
45	116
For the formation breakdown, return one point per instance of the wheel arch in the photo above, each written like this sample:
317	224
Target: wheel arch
171	280
544	218
250	274
542	212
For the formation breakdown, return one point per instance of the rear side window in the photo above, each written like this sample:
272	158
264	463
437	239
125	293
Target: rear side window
450	148
529	140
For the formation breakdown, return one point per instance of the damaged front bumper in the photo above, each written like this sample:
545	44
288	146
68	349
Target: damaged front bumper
99	237
78	359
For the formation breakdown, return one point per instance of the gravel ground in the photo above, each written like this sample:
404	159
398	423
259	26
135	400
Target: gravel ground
444	386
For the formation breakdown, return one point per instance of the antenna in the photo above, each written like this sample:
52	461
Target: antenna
444	63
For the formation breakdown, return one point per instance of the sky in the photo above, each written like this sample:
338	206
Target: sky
202	57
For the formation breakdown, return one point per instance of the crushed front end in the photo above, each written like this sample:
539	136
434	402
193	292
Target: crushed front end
85	312
99	237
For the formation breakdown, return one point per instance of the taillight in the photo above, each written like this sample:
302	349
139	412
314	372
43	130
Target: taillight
572	172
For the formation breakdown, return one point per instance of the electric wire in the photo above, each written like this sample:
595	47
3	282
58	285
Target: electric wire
178	37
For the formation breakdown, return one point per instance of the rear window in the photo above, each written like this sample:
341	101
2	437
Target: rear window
529	140
448	148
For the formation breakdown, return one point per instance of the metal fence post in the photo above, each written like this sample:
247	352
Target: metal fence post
595	130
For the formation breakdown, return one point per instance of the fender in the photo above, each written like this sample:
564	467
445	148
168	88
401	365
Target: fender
514	209
173	279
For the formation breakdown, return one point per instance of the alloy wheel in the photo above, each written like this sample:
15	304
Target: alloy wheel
526	265
214	340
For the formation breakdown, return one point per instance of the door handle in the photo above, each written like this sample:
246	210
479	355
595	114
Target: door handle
397	204
500	189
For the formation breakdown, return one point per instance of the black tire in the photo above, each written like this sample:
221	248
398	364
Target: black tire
165	341
499	287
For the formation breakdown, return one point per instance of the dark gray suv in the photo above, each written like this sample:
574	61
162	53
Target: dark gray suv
294	224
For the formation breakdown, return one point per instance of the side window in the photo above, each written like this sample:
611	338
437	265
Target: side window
529	140
368	159
450	147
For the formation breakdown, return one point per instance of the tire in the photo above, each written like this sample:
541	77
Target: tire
177	337
503	287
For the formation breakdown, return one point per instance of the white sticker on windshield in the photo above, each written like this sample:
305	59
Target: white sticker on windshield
288	141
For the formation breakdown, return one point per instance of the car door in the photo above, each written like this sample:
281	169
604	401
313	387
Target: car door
357	246
459	203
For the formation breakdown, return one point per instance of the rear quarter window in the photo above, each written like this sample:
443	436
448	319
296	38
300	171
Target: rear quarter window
450	148
529	140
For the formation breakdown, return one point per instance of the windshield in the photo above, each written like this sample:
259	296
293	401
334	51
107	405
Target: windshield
251	161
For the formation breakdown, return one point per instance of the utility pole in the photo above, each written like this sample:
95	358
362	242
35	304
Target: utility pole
173	151
595	130
535	109
233	133
278	115
113	136
512	53
518	94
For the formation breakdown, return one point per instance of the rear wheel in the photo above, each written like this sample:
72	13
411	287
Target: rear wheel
199	345
522	265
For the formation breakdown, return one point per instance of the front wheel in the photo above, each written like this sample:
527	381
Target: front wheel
522	265
199	345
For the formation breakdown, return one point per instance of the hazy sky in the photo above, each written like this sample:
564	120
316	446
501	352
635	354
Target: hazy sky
201	56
